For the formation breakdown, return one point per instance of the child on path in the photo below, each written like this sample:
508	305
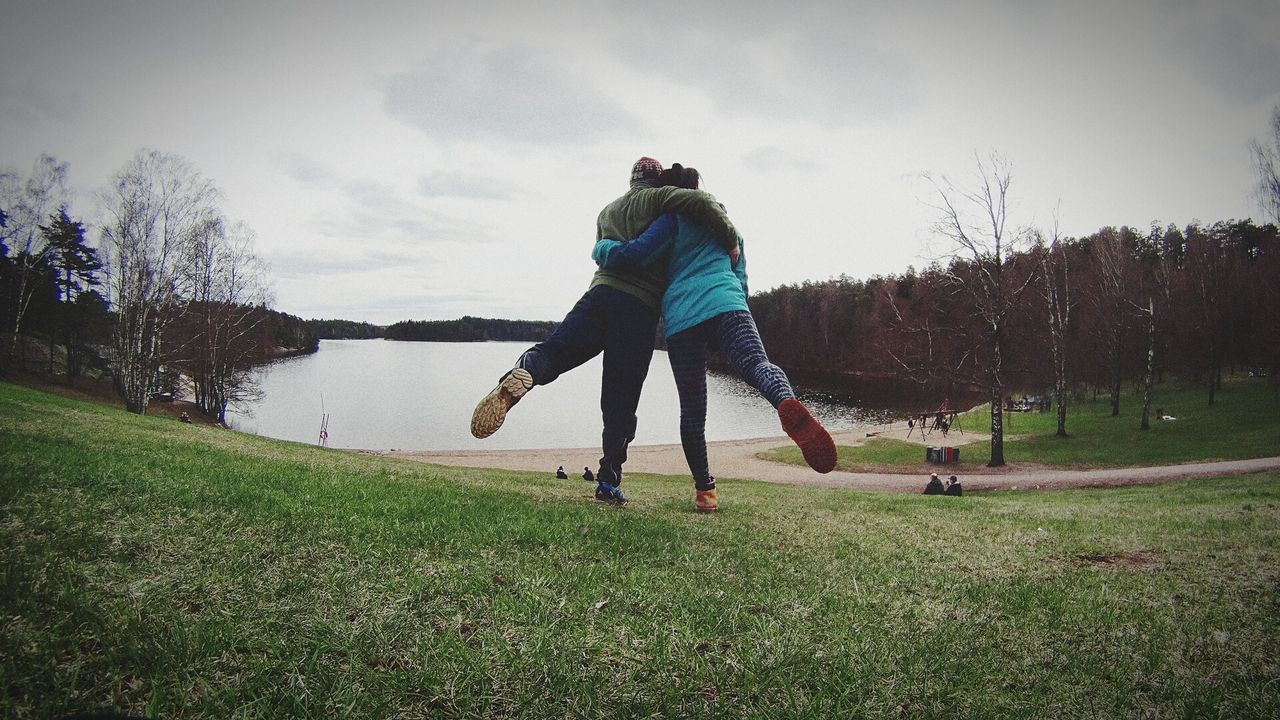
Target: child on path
618	316
705	308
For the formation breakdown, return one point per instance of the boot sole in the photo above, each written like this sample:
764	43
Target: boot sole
814	441
492	410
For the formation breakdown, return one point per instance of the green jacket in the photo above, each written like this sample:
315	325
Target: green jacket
628	216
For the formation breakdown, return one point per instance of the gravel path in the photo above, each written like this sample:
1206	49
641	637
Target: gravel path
738	459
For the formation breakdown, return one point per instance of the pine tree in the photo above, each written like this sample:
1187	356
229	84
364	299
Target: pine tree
75	268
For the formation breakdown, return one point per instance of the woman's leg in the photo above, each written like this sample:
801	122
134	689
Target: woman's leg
740	345
687	352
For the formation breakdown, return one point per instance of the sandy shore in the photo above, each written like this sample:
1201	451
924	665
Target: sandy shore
730	459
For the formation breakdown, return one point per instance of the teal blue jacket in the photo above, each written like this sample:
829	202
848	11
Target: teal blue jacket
701	282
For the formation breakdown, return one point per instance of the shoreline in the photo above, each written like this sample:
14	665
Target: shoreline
739	460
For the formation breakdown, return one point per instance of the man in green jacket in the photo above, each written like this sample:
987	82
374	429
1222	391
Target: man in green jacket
618	315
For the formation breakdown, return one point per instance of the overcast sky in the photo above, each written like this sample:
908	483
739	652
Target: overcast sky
421	160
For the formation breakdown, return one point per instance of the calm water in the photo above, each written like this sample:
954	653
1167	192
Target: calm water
382	394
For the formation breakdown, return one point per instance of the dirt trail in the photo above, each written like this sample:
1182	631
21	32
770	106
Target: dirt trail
738	459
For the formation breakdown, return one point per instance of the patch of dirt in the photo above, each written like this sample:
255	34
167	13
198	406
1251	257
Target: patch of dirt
1138	558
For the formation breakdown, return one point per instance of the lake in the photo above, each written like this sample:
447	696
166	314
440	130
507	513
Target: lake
384	394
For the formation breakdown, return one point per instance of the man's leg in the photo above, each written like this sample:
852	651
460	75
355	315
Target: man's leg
577	339
628	348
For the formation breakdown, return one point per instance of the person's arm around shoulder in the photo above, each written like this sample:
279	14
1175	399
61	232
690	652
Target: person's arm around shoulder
644	250
699	206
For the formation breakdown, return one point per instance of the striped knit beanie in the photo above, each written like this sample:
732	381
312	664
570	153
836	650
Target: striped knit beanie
646	168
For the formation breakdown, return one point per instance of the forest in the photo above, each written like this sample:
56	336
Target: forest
344	330
1200	300
470	329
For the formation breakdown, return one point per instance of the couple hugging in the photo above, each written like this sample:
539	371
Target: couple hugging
663	246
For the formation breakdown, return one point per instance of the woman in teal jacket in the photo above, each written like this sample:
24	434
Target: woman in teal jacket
705	308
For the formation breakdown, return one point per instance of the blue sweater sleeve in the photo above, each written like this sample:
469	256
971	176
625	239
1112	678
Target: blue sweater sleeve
644	250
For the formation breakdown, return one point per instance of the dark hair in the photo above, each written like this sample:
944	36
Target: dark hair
680	176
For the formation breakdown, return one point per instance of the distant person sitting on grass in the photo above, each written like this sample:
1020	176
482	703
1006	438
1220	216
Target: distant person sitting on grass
586	475
705	308
561	474
953	487
935	486
617	316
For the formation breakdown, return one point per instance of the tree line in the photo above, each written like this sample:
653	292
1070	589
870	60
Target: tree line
171	298
344	330
470	329
1215	290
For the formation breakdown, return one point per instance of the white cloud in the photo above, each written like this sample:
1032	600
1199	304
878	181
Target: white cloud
515	94
308	171
458	184
825	64
1242	56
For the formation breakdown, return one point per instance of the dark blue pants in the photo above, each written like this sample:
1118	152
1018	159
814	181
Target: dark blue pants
622	327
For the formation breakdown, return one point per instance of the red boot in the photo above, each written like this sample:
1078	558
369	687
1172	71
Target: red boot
815	442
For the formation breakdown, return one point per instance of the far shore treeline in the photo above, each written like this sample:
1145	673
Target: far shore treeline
464	329
470	329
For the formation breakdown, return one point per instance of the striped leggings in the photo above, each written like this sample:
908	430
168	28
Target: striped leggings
734	334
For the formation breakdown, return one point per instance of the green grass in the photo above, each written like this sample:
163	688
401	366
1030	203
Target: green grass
1243	423
183	571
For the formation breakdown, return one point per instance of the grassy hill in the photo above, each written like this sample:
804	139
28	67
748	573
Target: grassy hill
187	571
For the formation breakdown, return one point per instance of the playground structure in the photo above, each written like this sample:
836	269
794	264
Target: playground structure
944	420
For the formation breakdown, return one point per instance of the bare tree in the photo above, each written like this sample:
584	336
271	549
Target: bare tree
1056	289
157	208
27	205
1160	269
227	290
1266	160
986	247
1111	278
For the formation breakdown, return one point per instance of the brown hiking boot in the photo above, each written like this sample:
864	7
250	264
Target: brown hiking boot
815	442
705	501
492	410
